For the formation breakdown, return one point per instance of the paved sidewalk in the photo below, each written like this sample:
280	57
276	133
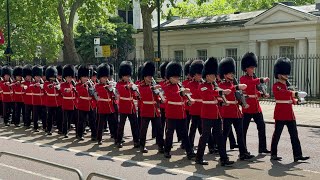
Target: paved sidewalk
305	115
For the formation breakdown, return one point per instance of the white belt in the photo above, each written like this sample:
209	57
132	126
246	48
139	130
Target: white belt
85	98
37	94
175	103
148	102
219	98
1	91
29	94
251	96
197	100
210	102
69	98
52	94
19	92
7	92
105	100
126	99
232	102
284	101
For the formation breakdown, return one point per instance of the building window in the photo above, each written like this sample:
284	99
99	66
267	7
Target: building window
286	51
232	52
202	54
178	55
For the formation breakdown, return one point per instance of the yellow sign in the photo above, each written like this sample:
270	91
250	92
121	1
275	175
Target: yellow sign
106	51
157	59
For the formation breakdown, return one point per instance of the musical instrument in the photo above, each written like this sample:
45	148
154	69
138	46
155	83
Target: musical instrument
135	88
300	94
262	88
188	95
91	89
223	96
158	91
111	87
239	95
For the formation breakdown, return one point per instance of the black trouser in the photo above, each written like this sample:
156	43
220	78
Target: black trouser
195	124
82	118
232	139
163	119
180	126
1	109
261	126
67	118
113	118
27	111
238	126
134	126
6	111
44	117
293	132
19	108
156	124
101	121
59	118
36	113
215	125
52	115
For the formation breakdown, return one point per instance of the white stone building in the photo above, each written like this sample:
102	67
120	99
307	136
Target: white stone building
279	31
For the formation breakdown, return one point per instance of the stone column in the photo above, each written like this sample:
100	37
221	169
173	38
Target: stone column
300	65
265	63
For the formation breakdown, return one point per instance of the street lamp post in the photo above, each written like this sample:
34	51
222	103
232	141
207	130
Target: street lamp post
8	50
159	49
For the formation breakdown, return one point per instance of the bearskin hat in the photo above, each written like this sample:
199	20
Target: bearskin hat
17	71
173	69
227	65
6	70
59	69
51	71
125	69
103	70
149	69
36	71
27	71
84	71
210	67
249	59
44	68
68	70
111	69
163	69
187	67
196	67
282	66
140	72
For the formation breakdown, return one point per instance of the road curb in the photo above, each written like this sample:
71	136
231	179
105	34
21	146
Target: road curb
300	125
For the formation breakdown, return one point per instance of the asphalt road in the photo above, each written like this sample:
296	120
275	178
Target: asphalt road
129	163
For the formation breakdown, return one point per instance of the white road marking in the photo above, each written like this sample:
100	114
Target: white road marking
172	170
28	172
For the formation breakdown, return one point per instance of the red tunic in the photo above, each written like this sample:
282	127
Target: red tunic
283	111
37	94
18	92
7	93
232	110
68	96
28	93
252	93
175	105
149	102
104	104
195	109
209	108
53	94
84	99
126	96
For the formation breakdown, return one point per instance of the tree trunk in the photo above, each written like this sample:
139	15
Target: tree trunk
148	44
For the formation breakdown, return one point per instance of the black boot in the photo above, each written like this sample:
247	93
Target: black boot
191	155
301	158
143	149
167	155
226	162
266	151
202	162
246	156
160	150
136	144
275	158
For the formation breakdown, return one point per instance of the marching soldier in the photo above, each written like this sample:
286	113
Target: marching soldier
248	65
149	107
138	101
7	93
163	83
283	112
86	92
175	110
195	109
37	96
231	114
27	75
114	101
127	91
43	114
59	115
68	98
18	95
210	115
185	84
105	106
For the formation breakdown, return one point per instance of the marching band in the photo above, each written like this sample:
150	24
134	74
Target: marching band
210	101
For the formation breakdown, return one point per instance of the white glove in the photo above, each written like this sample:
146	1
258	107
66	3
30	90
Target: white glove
302	94
25	87
41	86
58	87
